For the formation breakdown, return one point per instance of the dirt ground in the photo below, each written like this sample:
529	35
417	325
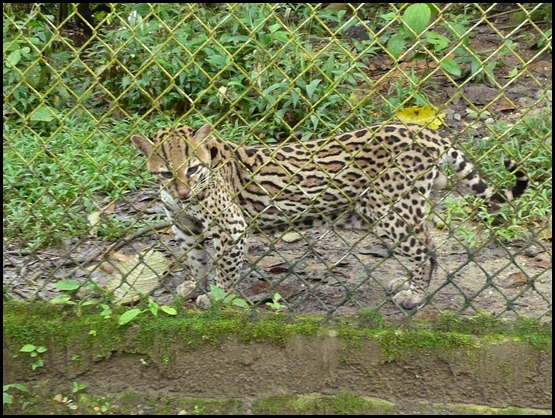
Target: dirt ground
320	271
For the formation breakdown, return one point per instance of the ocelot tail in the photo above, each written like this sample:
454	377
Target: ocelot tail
382	175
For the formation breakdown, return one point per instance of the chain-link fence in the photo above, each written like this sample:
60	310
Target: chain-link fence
84	223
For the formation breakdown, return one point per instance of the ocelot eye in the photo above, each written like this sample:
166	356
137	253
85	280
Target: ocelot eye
192	170
166	175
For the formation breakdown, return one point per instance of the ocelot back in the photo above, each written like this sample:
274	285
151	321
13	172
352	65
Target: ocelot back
382	175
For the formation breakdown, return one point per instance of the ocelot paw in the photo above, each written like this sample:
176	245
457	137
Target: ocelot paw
405	297
204	301
186	289
408	299
398	284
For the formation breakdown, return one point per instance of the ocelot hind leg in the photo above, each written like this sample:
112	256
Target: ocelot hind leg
401	219
411	292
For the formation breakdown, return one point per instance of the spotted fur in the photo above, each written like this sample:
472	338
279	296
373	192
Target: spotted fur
381	176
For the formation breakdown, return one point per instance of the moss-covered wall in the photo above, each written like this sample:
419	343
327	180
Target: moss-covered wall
226	354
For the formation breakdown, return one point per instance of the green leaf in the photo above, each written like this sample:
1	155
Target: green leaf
241	303
439	42
18	386
281	36
106	311
310	88
314	120
42	114
7	399
218	60
218	293
229	298
451	67
153	306
129	316
14	57
67	284
274	27
42	349
168	310
395	46
417	17
77	387
28	348
63	299
514	72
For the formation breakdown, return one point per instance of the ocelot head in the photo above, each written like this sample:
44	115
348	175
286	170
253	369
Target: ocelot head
180	158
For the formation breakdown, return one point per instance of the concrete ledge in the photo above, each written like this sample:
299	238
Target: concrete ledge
244	356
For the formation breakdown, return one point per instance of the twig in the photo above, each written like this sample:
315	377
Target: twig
98	253
118	244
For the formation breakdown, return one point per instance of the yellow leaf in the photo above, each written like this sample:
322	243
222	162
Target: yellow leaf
94	219
137	276
422	115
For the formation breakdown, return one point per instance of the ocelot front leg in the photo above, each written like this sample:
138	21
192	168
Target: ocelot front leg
194	245
229	230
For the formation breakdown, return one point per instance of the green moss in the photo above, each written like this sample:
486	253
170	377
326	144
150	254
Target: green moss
344	404
525	329
44	324
401	344
486	410
133	403
126	403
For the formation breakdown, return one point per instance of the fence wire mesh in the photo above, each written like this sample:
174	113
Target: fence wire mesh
83	219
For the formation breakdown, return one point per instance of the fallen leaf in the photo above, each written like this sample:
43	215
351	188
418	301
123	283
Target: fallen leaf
504	105
94	219
117	256
422	115
137	276
279	269
376	251
107	267
542	263
291	237
514	280
269	262
426	315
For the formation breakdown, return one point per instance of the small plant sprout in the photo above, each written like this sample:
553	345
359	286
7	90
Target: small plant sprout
153	307
7	398
71	287
78	387
34	352
274	304
231	299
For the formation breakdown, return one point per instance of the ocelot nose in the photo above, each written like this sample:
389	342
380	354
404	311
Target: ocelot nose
183	192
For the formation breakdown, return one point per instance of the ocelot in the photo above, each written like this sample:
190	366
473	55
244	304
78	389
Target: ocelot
381	175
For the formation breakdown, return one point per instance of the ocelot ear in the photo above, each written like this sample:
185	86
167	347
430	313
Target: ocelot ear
143	144
203	132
